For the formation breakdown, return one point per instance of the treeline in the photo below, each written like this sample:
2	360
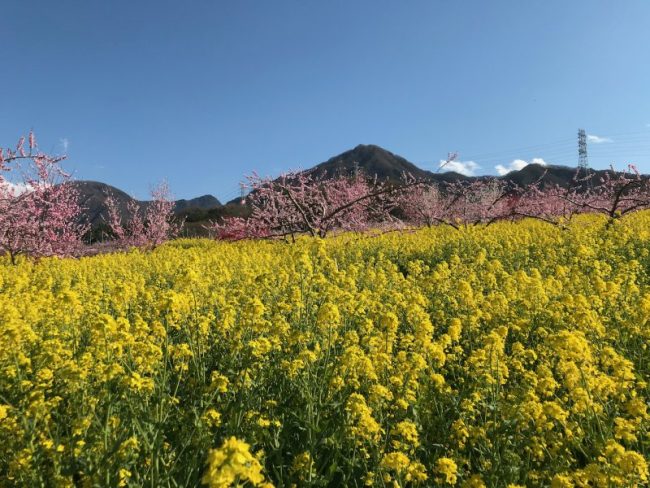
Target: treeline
40	213
302	203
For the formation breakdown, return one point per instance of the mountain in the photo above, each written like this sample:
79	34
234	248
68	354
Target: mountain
373	161
204	202
93	196
376	161
547	175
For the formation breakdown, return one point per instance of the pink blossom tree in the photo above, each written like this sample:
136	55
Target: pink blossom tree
553	204
614	194
40	214
477	202
145	226
425	205
456	203
305	203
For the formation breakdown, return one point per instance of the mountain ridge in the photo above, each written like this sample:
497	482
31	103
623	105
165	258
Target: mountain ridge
93	195
372	159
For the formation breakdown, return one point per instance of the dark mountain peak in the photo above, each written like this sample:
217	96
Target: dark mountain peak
370	151
92	187
370	148
203	202
528	174
93	195
373	160
551	175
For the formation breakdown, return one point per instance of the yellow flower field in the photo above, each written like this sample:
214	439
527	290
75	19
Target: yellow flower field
512	355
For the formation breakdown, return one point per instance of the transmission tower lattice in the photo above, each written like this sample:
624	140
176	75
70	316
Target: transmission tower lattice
582	149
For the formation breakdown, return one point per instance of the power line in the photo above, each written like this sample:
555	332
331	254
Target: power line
567	143
564	143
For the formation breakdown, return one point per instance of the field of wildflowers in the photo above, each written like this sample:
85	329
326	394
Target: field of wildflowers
508	355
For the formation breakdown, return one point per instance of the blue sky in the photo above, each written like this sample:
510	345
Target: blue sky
204	92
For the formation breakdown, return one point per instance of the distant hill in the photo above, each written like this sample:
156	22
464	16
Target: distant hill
376	161
373	161
93	196
547	175
204	202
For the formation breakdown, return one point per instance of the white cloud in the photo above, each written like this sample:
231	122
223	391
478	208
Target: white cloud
598	139
517	165
467	168
502	170
16	188
64	143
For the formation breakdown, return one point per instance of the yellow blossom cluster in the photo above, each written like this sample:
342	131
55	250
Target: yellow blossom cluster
509	355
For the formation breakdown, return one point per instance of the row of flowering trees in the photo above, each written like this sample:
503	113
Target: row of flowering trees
614	194
302	203
41	213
